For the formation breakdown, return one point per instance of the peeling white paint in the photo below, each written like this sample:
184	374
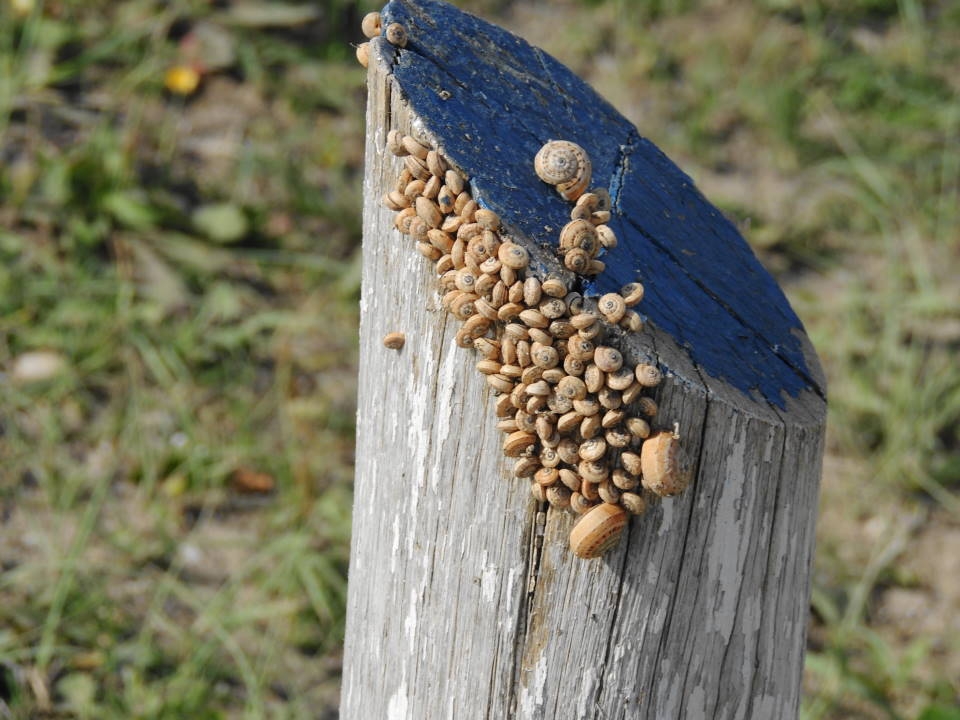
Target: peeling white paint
489	582
531	695
397	705
587	689
410	624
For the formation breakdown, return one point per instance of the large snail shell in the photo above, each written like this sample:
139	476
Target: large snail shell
665	467
598	530
561	162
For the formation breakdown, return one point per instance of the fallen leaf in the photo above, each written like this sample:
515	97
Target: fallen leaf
251	482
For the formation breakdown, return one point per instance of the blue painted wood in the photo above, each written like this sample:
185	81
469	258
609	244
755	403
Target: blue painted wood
493	100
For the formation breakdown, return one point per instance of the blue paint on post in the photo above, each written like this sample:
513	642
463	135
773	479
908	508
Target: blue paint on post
493	100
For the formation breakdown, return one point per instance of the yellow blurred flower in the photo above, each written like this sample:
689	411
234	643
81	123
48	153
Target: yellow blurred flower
21	8
181	79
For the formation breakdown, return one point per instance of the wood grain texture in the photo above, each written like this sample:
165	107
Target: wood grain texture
464	599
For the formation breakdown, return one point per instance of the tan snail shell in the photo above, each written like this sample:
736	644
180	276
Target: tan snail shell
394	340
613	306
396	34
579	234
665	468
632	293
371	24
564	165
363	54
598	530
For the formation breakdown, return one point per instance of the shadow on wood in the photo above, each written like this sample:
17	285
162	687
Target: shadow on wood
454	608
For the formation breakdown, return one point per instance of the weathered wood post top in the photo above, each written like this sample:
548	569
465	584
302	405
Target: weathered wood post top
465	600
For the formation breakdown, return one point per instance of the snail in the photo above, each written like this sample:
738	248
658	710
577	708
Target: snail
371	24
665	468
394	340
598	530
396	34
565	165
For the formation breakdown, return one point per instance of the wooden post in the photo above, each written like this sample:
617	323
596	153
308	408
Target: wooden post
464	599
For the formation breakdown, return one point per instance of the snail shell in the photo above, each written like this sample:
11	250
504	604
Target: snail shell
579	504
395	144
610	399
606	236
608	359
572	387
588	407
394	340
513	255
624	480
579	234
611	418
554	287
593	449
453	180
638	427
613	306
631	463
437	166
631	321
558	496
648	375
371	24
632	293
633	503
577	260
363	54
665	468
567	423
534	318
598	530
590	426
396	34
620	379
526	467
561	162
515	443
647	406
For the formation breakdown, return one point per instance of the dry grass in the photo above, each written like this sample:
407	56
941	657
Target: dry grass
174	482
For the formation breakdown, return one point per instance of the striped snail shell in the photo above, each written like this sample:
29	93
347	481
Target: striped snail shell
665	468
598	530
566	165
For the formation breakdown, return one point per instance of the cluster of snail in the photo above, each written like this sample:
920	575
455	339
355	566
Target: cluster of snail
575	416
372	26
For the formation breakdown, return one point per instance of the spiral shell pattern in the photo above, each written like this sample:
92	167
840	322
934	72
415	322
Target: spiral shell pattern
563	163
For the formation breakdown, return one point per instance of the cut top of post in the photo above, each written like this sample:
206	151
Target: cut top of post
491	101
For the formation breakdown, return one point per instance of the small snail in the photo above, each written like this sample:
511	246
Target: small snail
665	468
363	54
371	24
396	34
598	530
566	166
394	340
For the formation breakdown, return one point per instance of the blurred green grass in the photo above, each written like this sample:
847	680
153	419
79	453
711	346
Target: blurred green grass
178	308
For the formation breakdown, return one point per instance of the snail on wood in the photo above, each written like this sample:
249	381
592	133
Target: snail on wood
598	530
396	34
371	24
666	468
394	340
566	166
